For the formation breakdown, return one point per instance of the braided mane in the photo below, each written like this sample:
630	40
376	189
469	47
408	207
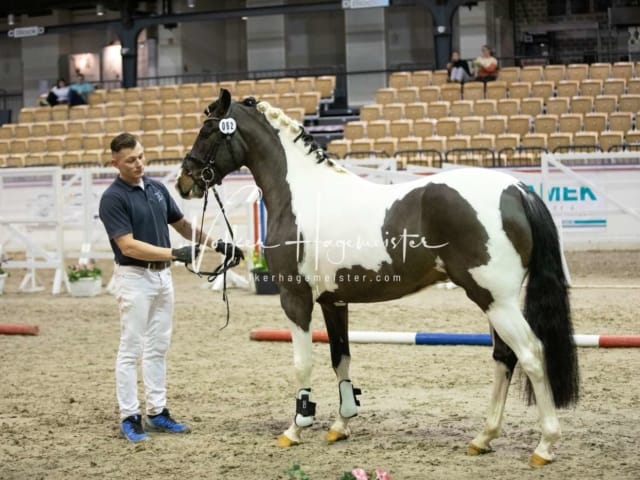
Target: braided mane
281	121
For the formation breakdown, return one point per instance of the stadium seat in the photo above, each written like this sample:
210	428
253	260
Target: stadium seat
378	128
610	139
393	111
447	126
407	94
371	112
554	73
471	125
590	87
462	108
519	124
424	127
401	128
622	70
577	71
284	85
484	108
605	103
557	106
567	88
355	129
400	80
531	73
387	145
496	90
614	86
509	74
570	123
415	110
451	92
559	139
600	71
620	121
339	147
473	91
520	90
438	109
429	94
542	89
421	78
531	106
265	86
495	124
509	106
581	104
546	124
595	122
629	103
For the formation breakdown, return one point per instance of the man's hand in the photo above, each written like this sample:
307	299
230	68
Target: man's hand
230	252
183	254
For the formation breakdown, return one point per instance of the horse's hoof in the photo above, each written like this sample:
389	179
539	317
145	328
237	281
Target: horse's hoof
286	442
335	436
474	450
538	461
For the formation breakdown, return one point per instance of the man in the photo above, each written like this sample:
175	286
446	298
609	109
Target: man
136	212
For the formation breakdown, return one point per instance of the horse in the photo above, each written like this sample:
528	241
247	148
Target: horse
334	238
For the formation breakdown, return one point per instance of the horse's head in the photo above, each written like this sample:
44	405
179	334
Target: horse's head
218	150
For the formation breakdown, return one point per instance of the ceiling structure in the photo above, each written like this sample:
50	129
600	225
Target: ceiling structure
35	8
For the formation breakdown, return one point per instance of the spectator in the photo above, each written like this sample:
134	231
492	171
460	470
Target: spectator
458	69
486	65
62	94
59	94
83	88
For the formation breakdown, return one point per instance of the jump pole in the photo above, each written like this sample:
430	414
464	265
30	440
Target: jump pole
439	338
18	329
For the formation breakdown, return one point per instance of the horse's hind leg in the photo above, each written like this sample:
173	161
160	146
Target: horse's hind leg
298	309
508	322
337	321
505	363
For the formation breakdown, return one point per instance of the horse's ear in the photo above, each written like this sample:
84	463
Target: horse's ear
224	102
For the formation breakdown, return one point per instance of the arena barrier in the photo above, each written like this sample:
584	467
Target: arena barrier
438	338
18	329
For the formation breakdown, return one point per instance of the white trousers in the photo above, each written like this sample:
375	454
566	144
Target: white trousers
458	74
145	298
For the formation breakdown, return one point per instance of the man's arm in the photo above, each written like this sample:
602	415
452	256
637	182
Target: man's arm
184	228
133	248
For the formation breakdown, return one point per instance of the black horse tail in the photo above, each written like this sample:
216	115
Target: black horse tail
547	307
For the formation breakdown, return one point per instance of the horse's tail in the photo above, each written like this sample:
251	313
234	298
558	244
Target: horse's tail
547	304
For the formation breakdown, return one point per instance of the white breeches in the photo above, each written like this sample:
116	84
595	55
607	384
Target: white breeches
145	300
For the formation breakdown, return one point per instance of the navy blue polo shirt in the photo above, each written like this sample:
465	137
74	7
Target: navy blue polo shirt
145	213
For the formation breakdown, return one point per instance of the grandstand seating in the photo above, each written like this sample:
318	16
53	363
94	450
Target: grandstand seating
167	118
539	108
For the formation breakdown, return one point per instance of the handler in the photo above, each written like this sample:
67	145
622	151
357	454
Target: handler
136	212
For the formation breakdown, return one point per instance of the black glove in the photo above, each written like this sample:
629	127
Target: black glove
183	254
231	253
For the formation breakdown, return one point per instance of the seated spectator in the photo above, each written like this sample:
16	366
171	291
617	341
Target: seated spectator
83	88
458	69
62	94
486	65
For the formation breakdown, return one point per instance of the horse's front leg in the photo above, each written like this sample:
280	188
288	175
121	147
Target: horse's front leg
336	317
297	306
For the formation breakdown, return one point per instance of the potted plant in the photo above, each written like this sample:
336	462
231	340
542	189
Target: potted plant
262	278
3	275
85	279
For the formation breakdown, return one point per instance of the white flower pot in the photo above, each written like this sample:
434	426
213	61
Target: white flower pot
3	278
85	287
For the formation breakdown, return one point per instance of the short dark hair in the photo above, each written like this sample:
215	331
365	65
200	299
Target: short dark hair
124	140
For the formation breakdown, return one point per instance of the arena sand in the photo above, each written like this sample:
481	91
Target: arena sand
420	405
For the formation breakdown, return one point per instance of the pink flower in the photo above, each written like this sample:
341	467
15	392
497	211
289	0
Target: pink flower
382	475
360	474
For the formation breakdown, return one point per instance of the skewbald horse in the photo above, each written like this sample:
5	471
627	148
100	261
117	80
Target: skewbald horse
335	238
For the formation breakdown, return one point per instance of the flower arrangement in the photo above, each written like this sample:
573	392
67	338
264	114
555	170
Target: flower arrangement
297	473
83	270
259	261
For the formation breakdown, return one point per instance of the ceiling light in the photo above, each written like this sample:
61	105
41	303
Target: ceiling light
11	19
99	9
191	3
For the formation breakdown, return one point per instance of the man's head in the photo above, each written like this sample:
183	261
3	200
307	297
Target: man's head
127	155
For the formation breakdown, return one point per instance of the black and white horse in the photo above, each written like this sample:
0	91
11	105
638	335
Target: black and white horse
335	238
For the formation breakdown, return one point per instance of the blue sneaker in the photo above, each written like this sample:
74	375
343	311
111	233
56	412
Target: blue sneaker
132	430
164	423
